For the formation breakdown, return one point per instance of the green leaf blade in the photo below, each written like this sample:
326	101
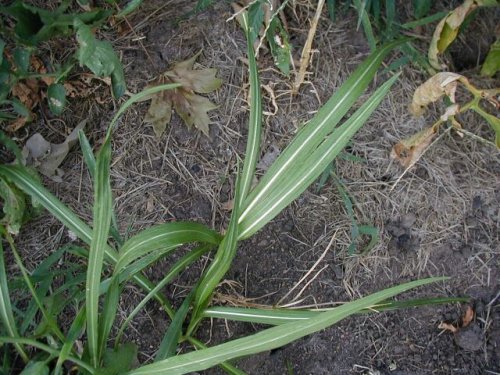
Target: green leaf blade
312	134
308	168
270	338
102	221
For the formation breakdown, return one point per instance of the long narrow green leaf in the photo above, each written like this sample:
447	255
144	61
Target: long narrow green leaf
283	316
6	315
101	222
108	314
314	132
46	348
49	320
88	157
169	343
226	366
255	120
20	176
178	267
163	237
365	21
74	332
219	266
309	168
270	338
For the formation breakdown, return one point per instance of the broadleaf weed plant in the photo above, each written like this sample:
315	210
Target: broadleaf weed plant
94	297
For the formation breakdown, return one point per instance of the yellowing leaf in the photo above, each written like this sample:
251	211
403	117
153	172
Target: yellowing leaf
433	89
447	30
192	108
409	150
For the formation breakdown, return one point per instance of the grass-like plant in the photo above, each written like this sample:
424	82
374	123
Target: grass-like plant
94	298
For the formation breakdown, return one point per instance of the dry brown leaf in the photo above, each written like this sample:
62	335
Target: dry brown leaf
433	89
468	317
46	156
27	92
409	150
451	111
192	108
17	124
447	30
448	327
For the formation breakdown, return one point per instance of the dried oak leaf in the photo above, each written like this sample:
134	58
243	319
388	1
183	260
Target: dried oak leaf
433	89
192	108
409	150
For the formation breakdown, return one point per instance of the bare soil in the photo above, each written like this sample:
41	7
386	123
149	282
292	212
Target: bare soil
440	218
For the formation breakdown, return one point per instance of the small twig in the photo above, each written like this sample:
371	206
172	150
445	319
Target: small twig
308	272
306	52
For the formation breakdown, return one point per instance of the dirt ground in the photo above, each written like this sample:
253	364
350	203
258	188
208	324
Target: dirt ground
440	218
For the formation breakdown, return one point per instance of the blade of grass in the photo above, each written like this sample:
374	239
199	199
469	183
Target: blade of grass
52	324
20	176
6	315
101	223
219	266
364	20
163	237
74	332
108	315
226	366
270	338
178	267
312	134
170	340
306	171
424	21
255	120
46	348
88	157
283	316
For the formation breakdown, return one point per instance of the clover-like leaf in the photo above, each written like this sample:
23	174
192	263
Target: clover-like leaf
190	106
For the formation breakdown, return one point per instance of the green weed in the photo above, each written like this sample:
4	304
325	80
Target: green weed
95	294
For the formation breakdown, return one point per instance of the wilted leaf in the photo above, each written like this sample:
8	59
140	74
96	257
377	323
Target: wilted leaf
452	110
492	63
447	30
192	108
277	37
433	89
409	150
27	92
46	156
